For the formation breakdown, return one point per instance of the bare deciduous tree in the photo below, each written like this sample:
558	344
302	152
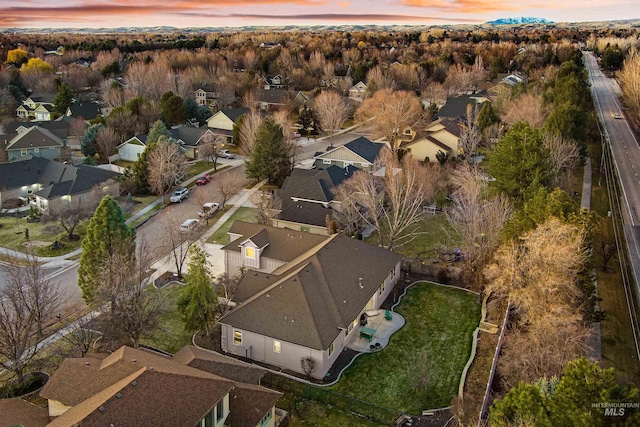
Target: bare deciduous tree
166	165
176	243
69	214
476	217
470	137
267	206
210	151
248	130
228	185
27	301
393	113
630	82
564	156
107	140
332	110
392	203
526	107
539	275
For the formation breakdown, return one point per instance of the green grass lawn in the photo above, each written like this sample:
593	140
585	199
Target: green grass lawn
312	414
421	367
146	215
437	233
170	334
200	167
12	236
221	237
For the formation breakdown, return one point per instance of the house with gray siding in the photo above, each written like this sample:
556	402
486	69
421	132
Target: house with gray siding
306	298
35	141
47	184
307	197
361	153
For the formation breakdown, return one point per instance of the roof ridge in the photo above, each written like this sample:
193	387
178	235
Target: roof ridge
306	255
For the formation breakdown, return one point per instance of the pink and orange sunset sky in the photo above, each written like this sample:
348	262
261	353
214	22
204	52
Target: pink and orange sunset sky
233	13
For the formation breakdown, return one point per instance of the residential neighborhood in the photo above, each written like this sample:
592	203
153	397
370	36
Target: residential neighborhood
331	226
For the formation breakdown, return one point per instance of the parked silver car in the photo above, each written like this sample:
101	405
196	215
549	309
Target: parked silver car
179	195
226	154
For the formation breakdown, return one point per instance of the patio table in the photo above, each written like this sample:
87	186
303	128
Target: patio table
367	333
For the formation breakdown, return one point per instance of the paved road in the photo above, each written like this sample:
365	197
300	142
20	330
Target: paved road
624	145
153	230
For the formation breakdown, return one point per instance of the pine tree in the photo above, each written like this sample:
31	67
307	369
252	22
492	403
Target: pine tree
63	99
198	301
107	235
271	155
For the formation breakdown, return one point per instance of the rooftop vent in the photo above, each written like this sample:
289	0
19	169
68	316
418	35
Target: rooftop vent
119	396
134	383
360	283
101	409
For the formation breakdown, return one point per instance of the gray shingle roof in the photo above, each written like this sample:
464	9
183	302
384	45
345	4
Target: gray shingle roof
87	111
309	303
47	98
361	146
218	364
274	96
234	113
35	137
284	245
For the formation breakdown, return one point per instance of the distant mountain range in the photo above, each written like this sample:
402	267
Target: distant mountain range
521	20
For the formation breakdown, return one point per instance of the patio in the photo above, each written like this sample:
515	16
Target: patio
376	321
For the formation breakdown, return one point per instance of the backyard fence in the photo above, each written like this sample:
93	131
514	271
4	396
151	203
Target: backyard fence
487	393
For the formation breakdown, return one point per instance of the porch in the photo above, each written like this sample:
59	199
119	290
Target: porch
374	336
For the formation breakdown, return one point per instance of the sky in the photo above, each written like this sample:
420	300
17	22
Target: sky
237	13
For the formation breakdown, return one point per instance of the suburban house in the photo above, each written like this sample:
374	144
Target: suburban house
63	128
340	83
38	106
272	82
35	141
134	387
358	91
441	135
273	99
189	138
513	80
361	153
223	122
456	107
207	96
47	184
307	197
302	295
84	110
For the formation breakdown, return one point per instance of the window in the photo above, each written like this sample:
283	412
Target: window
364	165
331	349
276	346
237	337
249	252
138	154
351	326
208	420
23	152
326	161
382	288
220	410
265	420
36	150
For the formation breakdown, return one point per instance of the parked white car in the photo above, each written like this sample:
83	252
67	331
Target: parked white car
189	225
208	209
179	195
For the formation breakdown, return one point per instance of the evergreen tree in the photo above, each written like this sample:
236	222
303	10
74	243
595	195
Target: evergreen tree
172	108
141	167
271	155
198	301
518	161
88	143
107	236
306	121
63	99
487	117
568	401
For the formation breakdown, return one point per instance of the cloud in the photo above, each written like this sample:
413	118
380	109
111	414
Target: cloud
359	17
468	6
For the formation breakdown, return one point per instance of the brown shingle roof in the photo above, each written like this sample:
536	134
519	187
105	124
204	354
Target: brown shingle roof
157	399
218	364
253	403
15	412
311	298
284	245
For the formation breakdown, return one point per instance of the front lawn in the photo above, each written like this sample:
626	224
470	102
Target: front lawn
200	167
437	233
422	365
221	237
170	335
41	236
